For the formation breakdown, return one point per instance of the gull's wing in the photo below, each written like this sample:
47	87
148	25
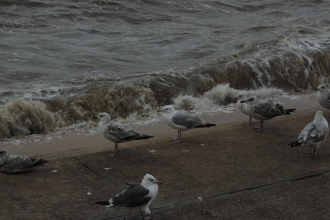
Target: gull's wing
314	133
187	120
18	162
268	109
132	184
326	98
134	196
120	132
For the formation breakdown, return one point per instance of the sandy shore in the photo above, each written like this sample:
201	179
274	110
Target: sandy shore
238	173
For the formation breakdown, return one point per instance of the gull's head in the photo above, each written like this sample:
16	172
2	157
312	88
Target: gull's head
149	180
103	117
3	152
167	109
240	97
251	100
322	88
319	116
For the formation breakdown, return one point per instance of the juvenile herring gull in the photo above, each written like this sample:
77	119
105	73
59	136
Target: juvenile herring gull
242	106
323	96
313	134
181	120
262	109
117	132
18	163
138	195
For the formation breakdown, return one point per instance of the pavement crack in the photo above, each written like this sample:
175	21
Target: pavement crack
222	195
311	176
92	170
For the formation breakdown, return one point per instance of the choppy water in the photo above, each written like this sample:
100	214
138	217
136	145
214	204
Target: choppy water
77	58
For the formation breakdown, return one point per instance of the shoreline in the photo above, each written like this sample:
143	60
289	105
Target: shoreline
74	145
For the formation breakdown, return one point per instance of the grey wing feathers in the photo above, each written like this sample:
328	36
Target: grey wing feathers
268	109
121	132
314	132
187	120
326	99
16	164
18	161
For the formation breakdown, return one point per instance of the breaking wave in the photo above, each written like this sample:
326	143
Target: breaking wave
283	66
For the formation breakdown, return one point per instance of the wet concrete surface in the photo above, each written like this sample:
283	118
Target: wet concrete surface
238	173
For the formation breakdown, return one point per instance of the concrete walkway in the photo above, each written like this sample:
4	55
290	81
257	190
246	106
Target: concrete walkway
238	173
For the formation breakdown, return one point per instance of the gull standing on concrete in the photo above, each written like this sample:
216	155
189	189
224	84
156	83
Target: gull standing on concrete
261	109
181	121
138	195
18	163
313	134
242	106
117	132
323	96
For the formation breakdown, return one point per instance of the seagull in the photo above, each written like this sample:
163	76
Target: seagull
262	109
313	134
243	106
323	96
18	163
137	195
181	120
117	132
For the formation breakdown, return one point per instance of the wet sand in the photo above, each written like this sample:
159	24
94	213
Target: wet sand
238	173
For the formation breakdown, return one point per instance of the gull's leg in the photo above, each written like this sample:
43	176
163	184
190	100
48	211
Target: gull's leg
129	213
178	139
115	151
141	213
314	151
261	126
248	123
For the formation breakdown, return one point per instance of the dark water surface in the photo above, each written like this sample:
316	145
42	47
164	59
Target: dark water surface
82	57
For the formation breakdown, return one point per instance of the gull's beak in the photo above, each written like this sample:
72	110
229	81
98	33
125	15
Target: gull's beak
316	89
242	101
95	117
159	110
235	99
159	183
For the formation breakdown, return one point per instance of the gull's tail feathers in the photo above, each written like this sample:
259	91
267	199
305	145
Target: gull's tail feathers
38	162
296	143
140	137
288	111
206	125
102	203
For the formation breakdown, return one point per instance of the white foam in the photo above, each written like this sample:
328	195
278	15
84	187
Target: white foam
212	102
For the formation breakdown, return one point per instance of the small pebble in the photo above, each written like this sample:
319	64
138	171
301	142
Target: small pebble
89	193
202	145
54	171
185	150
107	168
152	151
200	198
